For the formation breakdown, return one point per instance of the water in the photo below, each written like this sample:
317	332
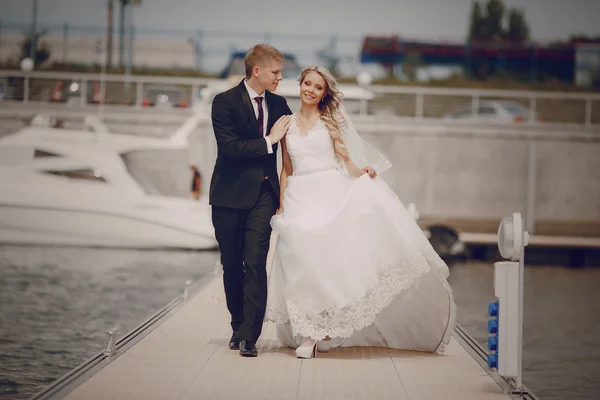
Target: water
57	303
561	358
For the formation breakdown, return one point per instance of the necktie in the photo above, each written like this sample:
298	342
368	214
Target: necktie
260	123
261	116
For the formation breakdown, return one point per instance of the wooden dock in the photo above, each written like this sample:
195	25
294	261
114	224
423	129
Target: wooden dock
187	357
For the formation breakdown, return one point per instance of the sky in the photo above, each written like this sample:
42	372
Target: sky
418	19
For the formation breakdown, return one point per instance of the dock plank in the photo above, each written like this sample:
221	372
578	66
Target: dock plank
187	358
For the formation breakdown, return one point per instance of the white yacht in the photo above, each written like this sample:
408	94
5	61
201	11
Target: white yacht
75	188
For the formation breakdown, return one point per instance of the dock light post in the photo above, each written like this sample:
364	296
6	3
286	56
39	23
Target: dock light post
505	326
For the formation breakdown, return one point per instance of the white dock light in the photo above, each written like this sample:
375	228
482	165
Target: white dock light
364	78
27	64
506	324
511	237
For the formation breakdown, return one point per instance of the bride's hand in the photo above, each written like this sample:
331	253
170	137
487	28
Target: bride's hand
279	211
354	171
369	170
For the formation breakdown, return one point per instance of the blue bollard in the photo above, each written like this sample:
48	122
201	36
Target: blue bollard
492	360
493	343
493	326
493	309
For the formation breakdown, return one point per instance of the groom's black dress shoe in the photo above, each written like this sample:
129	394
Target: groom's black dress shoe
234	342
248	349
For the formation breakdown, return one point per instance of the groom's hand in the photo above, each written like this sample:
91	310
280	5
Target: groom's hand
280	128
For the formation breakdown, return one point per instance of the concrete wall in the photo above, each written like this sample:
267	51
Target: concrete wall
487	177
474	176
569	180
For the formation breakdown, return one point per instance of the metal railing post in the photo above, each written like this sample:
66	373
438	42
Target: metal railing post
83	98
139	93
588	112
26	89
532	109
474	104
111	341
419	106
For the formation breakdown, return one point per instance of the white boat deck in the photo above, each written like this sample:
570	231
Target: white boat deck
187	357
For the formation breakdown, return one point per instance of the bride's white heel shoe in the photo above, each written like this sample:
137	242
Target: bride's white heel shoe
308	349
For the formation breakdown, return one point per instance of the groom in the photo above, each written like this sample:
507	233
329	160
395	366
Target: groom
248	122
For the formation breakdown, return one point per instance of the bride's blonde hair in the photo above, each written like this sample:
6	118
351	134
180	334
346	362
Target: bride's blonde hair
329	108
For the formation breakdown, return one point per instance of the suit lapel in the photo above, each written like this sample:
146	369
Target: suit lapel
271	104
247	106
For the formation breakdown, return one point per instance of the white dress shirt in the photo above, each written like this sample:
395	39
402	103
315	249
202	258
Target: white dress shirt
253	94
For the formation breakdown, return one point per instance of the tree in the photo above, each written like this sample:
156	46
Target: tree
411	64
123	5
475	30
329	56
493	28
584	38
518	29
490	26
42	52
330	60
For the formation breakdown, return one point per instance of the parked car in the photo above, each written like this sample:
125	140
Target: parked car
494	111
66	91
163	96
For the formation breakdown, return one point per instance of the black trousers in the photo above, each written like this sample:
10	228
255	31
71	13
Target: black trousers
243	237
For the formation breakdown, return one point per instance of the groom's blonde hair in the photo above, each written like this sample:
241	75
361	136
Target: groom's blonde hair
259	55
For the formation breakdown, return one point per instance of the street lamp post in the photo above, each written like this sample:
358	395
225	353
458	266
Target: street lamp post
109	32
33	41
123	8
122	33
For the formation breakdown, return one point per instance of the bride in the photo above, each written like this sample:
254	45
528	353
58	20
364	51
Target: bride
350	266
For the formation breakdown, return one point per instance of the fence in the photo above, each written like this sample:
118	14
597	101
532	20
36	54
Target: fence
543	107
582	109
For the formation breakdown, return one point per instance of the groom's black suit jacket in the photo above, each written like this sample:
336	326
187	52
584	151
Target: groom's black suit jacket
242	158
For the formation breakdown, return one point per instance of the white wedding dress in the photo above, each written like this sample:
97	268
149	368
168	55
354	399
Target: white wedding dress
350	262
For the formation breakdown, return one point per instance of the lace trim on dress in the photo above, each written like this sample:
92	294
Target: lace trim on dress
343	322
294	130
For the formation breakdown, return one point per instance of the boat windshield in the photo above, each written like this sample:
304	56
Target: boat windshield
163	172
